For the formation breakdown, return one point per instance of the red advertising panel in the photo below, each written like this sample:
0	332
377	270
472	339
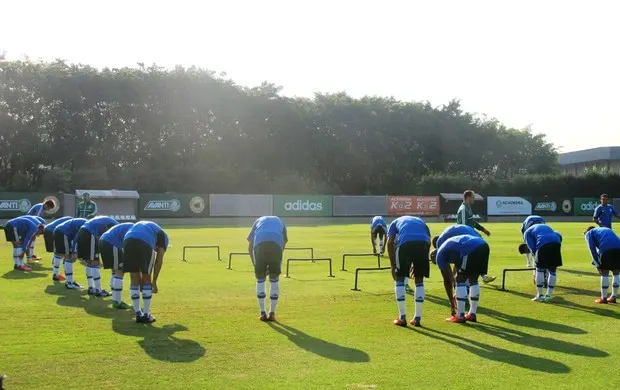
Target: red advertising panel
419	206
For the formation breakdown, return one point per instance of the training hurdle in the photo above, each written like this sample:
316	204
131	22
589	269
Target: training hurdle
512	270
219	258
230	256
302	249
328	259
357	273
344	258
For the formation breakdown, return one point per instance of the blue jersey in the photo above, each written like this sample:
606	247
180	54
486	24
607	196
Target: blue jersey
456	248
36	210
116	235
538	236
25	229
456	230
36	220
52	225
98	225
601	240
268	229
531	220
407	228
604	214
70	228
376	222
149	232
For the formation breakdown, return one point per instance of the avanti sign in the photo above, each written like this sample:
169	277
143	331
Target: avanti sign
302	205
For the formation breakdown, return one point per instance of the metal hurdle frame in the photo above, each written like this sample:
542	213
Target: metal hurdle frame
185	247
503	288
357	272
313	260
230	256
302	249
345	255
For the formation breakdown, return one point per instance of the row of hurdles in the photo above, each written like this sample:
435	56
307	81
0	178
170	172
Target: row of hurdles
324	259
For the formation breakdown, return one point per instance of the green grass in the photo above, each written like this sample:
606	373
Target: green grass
208	336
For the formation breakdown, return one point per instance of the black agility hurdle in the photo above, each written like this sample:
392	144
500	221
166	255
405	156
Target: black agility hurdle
344	258
512	270
186	247
302	249
230	257
357	273
328	259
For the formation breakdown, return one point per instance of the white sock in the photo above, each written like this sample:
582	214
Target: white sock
89	277
17	256
614	291
261	294
551	282
474	298
461	298
528	259
68	265
381	248
604	286
56	261
406	281
117	288
96	272
484	279
399	291
112	280
134	291
419	300
540	281
274	294
147	293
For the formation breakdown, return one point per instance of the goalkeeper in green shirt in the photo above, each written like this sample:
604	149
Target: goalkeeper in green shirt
87	208
465	216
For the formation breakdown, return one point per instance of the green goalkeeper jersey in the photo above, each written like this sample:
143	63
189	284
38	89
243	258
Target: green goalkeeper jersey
87	210
466	217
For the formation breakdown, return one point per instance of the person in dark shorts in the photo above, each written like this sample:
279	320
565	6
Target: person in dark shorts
378	229
266	242
409	241
470	254
546	246
88	251
20	232
111	251
65	245
604	247
48	238
144	247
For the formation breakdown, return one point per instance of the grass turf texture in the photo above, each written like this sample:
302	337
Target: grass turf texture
208	334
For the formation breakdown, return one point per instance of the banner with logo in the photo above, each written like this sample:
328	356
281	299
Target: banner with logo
585	206
508	205
419	206
545	206
302	205
173	205
16	204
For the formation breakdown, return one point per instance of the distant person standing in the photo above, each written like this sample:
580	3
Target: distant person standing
465	216
87	207
605	212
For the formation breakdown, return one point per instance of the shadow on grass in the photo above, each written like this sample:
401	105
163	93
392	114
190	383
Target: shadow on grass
21	275
578	291
578	272
320	347
98	307
159	343
496	354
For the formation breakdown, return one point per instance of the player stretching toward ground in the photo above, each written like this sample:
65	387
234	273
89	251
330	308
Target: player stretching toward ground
30	257
36	211
546	246
470	254
266	242
20	232
604	247
111	249
604	213
529	222
144	247
465	216
65	246
409	240
48	238
378	229
88	250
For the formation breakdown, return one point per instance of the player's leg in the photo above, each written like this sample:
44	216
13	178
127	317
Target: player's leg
96	267
147	264
18	258
402	268
112	258
260	271
373	240
478	264
604	285
275	268
421	270
382	240
554	261
83	253
615	286
132	253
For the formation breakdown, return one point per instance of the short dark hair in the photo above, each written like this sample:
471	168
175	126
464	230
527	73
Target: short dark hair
435	241
50	203
604	196
589	228
468	194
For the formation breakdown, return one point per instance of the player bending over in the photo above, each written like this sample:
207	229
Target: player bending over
20	232
36	211
111	250
266	242
470	254
378	229
546	246
604	213
604	247
144	247
527	223
48	238
31	258
408	243
65	245
88	250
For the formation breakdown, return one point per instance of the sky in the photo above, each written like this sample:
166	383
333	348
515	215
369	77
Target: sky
552	65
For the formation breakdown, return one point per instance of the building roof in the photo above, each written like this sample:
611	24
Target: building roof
590	155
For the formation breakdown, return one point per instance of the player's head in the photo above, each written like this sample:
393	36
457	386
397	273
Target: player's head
434	256
604	199
86	197
40	229
435	241
588	229
48	205
468	197
523	249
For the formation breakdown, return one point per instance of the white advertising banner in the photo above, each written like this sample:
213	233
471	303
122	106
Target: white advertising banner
508	205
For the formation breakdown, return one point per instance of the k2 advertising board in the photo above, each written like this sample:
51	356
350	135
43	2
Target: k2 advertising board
419	206
508	205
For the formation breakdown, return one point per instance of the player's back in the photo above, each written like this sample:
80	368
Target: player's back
36	220
269	228
455	248
149	232
604	238
21	224
543	234
409	228
70	228
52	225
530	221
378	221
99	225
116	234
456	230
36	210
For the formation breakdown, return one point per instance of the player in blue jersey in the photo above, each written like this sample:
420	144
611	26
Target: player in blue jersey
266	242
605	212
111	250
546	246
470	254
604	247
30	256
527	223
20	232
144	247
39	208
65	245
48	238
378	229
88	251
409	241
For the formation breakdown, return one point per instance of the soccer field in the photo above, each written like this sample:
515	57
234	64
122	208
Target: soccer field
208	336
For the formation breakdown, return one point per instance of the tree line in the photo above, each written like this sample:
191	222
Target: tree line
65	126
